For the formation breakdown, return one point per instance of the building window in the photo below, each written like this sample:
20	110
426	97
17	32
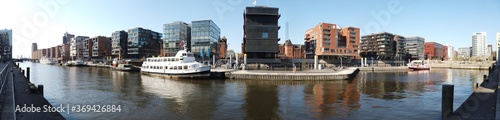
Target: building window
265	35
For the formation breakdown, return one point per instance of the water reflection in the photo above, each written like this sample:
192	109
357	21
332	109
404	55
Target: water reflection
392	95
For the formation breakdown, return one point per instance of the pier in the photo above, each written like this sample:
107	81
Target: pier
17	92
481	104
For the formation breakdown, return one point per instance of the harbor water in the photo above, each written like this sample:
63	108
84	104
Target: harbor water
382	95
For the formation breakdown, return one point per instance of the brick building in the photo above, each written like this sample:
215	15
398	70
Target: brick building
291	51
433	50
329	41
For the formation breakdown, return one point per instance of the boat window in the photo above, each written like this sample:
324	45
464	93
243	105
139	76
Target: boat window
183	54
190	55
180	59
185	67
165	60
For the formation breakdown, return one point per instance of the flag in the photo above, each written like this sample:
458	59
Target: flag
202	51
208	52
254	2
180	44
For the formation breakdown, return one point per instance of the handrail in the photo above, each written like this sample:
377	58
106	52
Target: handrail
3	77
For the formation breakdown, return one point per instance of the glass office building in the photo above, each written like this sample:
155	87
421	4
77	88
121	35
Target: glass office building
174	33
204	34
143	43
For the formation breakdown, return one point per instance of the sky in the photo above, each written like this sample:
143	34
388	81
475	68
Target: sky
446	21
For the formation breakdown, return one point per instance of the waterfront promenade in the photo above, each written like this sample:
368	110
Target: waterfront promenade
16	93
483	102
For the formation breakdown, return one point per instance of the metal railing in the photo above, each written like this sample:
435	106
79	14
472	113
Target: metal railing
3	77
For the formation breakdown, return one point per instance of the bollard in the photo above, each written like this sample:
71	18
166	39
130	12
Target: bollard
447	101
40	89
28	73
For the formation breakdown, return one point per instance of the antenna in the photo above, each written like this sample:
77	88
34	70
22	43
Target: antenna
287	33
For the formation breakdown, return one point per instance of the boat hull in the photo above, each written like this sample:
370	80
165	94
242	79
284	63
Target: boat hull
48	63
200	74
419	68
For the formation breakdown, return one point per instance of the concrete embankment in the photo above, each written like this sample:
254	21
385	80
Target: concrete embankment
482	104
22	96
462	66
326	74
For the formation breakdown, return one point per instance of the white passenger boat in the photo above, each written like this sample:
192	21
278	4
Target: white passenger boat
47	61
182	65
76	63
418	65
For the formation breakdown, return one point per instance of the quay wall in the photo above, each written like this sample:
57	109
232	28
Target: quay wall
245	75
375	69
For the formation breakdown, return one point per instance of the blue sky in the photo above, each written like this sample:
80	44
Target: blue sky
446	21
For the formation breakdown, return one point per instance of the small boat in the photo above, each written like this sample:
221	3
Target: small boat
76	63
418	65
47	61
182	65
126	67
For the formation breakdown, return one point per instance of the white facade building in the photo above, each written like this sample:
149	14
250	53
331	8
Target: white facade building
76	46
498	45
479	45
449	52
464	53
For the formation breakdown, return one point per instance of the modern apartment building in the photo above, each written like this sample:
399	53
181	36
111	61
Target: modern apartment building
445	52
260	26
415	47
143	43
174	33
87	49
205	35
101	46
433	50
66	39
76	48
479	45
464	53
329	41
6	43
382	46
448	52
119	43
489	50
498	46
